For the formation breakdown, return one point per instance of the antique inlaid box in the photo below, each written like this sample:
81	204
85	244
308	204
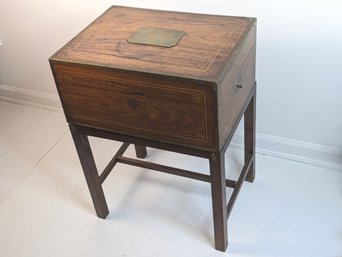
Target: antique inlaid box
169	80
188	94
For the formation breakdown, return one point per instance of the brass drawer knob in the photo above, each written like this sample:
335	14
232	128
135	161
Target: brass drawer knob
237	88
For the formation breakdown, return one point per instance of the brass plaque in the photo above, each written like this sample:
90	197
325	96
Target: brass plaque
156	37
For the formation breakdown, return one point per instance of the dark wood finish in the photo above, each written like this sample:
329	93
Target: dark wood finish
113	162
234	90
164	168
140	151
218	195
170	170
145	142
188	98
202	53
239	183
216	178
90	171
249	136
154	108
176	95
238	119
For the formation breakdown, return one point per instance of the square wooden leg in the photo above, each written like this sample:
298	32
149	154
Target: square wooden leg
140	151
218	194
90	172
249	122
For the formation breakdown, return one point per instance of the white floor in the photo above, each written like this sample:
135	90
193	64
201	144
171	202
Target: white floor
292	209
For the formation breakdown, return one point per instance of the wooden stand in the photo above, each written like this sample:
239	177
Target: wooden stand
217	178
174	81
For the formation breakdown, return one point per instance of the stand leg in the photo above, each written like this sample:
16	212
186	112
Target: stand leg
140	151
218	194
249	120
90	172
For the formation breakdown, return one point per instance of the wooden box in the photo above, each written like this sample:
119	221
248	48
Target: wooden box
189	94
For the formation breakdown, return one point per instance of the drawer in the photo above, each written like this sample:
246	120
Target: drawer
152	107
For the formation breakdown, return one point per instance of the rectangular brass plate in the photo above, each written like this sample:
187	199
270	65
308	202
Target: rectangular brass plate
156	37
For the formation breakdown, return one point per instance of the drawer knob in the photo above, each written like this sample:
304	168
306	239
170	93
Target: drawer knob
237	88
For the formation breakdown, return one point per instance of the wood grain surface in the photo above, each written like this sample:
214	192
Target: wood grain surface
189	94
170	111
187	98
203	51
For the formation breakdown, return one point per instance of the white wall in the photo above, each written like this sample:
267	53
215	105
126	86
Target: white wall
298	60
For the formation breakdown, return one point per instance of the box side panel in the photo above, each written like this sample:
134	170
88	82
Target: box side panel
235	88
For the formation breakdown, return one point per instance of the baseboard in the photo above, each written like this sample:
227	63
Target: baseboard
30	97
319	155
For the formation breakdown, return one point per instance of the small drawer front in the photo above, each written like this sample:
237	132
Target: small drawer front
174	112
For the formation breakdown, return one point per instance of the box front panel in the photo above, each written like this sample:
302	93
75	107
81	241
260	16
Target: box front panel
173	111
